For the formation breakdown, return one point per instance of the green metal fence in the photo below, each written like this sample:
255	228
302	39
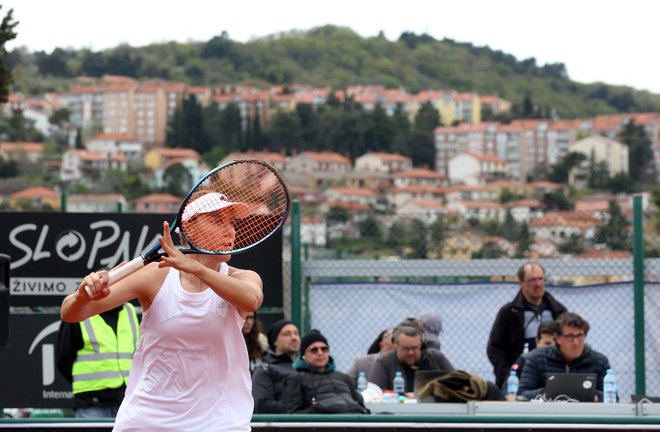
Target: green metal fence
352	299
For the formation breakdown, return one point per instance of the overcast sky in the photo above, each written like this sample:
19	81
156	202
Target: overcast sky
611	41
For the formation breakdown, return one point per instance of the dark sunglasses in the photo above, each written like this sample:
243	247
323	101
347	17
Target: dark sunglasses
315	350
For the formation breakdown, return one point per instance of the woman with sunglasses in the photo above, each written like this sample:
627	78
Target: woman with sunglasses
318	388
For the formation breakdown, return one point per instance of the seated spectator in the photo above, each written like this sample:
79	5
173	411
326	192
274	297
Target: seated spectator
545	337
318	388
432	325
268	379
407	356
570	354
255	341
381	345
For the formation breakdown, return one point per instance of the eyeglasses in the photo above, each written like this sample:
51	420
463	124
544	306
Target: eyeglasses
535	280
572	337
409	348
316	350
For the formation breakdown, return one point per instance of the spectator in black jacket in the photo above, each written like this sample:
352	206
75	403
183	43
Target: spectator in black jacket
545	337
569	355
268	378
409	354
318	388
517	321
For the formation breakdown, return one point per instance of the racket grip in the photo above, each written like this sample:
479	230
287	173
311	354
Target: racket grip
119	273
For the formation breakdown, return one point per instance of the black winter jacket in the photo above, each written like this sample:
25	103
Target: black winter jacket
507	337
268	382
329	392
546	360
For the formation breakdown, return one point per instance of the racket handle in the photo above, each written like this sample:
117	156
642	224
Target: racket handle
119	273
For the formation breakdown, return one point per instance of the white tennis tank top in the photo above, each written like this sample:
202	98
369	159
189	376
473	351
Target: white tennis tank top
191	369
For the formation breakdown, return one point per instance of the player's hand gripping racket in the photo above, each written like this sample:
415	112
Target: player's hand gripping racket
251	190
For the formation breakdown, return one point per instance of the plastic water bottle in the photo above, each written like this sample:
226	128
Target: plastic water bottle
398	385
512	385
361	382
609	387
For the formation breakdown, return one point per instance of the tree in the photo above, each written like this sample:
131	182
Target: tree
370	228
337	215
641	164
573	245
186	127
423	140
489	250
615	233
598	175
7	33
525	241
178	180
560	171
417	239
556	200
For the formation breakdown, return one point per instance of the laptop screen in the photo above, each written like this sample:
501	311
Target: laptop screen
570	386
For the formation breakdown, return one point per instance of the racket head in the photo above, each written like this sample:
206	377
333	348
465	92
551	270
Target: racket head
234	207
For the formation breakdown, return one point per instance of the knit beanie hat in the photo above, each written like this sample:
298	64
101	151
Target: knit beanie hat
274	331
311	337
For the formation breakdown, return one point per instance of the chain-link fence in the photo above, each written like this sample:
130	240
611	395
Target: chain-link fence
351	301
359	279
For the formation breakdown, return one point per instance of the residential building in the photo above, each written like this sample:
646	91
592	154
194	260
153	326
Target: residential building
598	150
418	177
111	145
83	164
428	211
475	169
158	203
119	105
381	162
16	151
35	198
96	203
320	162
162	157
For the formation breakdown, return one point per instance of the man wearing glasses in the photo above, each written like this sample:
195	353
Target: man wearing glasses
318	388
517	322
569	355
409	354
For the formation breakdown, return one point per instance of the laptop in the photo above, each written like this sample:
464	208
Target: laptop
565	386
635	398
423	377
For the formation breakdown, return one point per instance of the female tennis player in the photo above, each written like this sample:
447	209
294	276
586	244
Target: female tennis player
191	368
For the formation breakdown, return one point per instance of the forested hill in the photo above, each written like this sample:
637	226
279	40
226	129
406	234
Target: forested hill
338	57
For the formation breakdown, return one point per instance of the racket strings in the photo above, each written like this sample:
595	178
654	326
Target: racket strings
235	207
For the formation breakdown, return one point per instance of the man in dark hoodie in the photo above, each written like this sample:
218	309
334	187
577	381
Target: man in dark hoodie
268	378
318	388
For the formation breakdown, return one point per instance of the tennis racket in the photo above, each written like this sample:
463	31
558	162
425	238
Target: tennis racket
252	196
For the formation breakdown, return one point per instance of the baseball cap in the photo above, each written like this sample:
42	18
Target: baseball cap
211	202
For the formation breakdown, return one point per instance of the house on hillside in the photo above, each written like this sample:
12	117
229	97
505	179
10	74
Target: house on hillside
96	203
16	151
111	145
157	203
613	155
380	162
35	198
320	162
418	177
476	169
84	164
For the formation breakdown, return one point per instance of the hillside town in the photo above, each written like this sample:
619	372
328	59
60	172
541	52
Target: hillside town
487	173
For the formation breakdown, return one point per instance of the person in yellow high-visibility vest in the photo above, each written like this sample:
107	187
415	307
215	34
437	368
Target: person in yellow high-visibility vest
95	355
